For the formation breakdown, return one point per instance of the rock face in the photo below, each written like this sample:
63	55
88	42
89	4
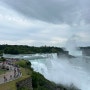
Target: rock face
26	83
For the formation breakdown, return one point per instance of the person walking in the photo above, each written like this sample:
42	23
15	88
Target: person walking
10	77
5	79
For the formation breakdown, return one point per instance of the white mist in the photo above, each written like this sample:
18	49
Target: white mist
72	46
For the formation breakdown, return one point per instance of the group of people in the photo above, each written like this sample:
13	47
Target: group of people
15	72
13	75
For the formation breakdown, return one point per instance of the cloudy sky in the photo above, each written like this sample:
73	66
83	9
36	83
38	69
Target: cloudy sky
45	22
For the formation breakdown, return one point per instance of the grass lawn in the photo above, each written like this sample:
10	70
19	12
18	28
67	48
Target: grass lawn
12	84
2	71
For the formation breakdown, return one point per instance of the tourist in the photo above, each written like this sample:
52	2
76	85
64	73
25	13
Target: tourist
5	79
10	77
14	72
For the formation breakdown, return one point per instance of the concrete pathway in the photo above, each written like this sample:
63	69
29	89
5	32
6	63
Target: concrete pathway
7	75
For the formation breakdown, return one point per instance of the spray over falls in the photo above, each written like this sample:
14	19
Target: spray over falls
65	71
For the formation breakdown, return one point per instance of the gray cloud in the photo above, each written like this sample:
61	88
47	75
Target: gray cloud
54	11
44	22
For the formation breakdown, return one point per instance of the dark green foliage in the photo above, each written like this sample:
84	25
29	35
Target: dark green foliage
23	88
28	64
11	50
2	59
23	49
40	83
24	63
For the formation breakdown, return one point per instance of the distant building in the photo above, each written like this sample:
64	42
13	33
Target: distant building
85	51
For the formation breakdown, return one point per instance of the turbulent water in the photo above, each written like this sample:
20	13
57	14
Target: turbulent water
65	71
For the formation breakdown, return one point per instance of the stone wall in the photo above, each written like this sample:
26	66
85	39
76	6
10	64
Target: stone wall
25	83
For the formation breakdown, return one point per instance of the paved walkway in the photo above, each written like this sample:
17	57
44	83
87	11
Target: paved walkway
9	75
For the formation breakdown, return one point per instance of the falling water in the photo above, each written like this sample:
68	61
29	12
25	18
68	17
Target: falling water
65	71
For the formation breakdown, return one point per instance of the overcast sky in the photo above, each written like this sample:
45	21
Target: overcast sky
45	22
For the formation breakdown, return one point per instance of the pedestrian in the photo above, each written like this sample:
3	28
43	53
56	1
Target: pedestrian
10	77
5	79
14	72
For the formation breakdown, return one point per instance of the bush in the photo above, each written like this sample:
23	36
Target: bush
23	88
24	64
40	83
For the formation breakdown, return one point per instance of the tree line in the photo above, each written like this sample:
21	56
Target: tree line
24	49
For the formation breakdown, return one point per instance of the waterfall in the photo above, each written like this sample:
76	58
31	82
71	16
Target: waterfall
64	71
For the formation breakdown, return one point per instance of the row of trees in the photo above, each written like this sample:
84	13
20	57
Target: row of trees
23	49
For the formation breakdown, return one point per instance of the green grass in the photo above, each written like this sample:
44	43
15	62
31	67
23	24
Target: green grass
2	71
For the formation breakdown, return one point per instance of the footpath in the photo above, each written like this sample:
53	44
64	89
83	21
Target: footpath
10	75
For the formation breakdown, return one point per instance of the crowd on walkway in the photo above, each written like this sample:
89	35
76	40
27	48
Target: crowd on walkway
13	71
12	74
